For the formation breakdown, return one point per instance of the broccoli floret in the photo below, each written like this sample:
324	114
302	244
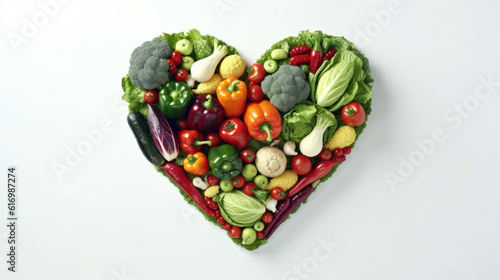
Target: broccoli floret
287	87
148	64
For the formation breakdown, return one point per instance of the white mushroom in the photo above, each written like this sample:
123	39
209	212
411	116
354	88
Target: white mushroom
289	148
199	183
270	161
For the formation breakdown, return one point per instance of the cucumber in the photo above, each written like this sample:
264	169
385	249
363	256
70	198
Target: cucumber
141	132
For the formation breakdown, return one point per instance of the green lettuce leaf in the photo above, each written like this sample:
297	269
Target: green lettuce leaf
134	96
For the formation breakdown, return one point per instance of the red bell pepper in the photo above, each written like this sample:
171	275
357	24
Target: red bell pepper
180	178
235	132
191	141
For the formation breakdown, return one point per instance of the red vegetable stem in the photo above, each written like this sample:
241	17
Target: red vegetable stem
295	201
300	50
316	57
329	54
179	176
300	59
318	172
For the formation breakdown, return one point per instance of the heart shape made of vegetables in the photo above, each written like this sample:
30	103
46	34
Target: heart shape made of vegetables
247	144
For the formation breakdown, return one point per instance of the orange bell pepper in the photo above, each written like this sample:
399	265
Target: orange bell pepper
196	164
232	95
263	120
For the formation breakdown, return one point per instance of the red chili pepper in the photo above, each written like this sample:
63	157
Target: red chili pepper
235	132
316	56
300	59
329	54
318	172
191	141
300	50
180	178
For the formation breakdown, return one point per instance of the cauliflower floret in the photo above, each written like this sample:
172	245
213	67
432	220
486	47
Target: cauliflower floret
232	66
344	136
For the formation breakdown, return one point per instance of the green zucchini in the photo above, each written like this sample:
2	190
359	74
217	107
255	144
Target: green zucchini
143	136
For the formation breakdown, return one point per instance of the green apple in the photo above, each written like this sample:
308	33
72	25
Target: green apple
226	185
261	181
270	66
184	46
187	62
249	171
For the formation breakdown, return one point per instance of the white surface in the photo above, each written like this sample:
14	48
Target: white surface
115	217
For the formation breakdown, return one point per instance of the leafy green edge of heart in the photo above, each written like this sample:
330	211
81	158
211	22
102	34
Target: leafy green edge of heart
303	38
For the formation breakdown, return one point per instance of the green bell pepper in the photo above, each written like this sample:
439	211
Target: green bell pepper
175	98
225	161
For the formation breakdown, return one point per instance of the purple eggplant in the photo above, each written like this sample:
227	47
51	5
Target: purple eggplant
206	114
295	201
280	209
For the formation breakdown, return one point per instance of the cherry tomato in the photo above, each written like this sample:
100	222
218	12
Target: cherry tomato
226	226
214	138
346	150
257	73
301	164
325	154
278	193
255	93
151	96
238	181
260	234
247	156
177	58
181	75
212	180
267	217
182	123
353	114
235	232
217	213
173	68
221	220
338	152
211	204
343	158
248	188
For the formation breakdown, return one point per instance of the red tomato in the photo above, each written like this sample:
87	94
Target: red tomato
338	152
182	123
255	93
325	154
214	138
267	217
301	164
181	75
235	232
260	234
238	181
346	150
353	114
212	180
217	213
151	96
226	226
247	156
248	188
173	68
257	73
177	58
278	193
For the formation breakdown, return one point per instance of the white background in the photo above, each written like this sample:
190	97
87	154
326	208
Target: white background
115	217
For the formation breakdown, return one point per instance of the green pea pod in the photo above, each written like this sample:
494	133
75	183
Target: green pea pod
175	98
225	161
